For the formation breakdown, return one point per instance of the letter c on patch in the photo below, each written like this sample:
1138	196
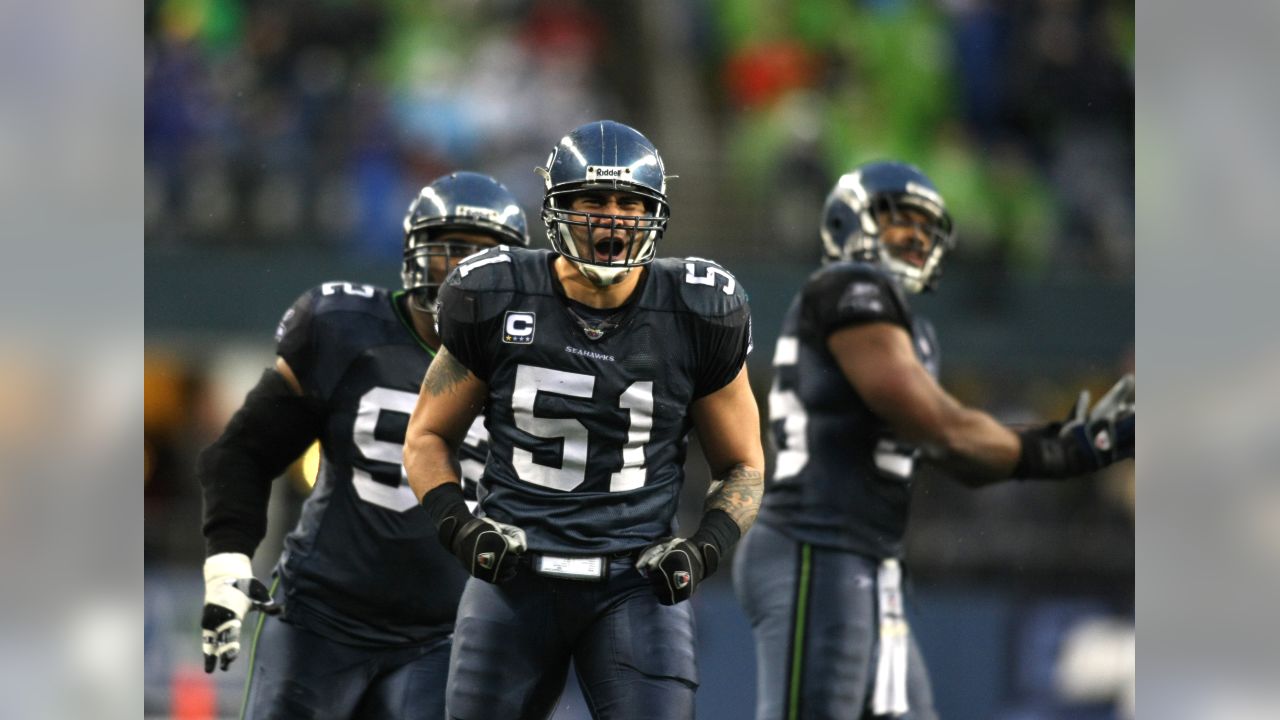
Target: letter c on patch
518	327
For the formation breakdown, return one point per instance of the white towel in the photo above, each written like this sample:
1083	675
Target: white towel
890	696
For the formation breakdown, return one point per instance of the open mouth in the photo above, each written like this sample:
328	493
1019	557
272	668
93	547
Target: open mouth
610	249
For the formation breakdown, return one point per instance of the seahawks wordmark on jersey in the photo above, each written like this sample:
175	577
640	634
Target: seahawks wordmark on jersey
841	478
363	564
588	412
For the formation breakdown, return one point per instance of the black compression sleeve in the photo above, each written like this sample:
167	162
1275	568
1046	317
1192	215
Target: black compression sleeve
715	536
270	430
447	510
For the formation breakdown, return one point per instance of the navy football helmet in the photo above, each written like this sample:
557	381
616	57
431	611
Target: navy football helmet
889	213
610	156
458	202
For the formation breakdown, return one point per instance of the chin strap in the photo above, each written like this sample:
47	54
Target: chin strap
598	278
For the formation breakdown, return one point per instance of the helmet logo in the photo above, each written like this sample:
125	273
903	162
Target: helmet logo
482	213
607	172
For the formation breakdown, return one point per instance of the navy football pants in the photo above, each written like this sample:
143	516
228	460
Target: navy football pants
513	642
813	613
297	675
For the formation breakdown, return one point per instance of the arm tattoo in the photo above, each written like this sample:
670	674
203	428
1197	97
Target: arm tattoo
444	374
738	494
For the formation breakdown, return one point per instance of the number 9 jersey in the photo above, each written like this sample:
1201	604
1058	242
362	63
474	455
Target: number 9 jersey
363	566
589	421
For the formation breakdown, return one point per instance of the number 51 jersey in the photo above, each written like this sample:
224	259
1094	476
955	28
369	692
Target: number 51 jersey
363	565
588	434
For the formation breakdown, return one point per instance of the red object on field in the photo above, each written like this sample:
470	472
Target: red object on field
757	75
192	695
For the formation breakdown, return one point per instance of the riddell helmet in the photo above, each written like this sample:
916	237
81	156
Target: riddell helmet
461	201
851	229
605	155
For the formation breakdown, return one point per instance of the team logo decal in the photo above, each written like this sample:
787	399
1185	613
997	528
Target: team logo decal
682	579
518	328
1102	441
862	297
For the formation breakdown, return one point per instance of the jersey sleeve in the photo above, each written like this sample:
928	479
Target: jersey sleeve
723	333
325	330
852	294
296	339
471	301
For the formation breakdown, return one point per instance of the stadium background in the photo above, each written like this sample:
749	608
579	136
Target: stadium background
285	139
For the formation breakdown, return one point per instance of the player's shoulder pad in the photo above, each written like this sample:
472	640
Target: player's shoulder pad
700	286
857	289
322	301
482	285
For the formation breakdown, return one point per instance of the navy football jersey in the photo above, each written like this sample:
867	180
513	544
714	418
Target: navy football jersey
364	565
588	435
841	479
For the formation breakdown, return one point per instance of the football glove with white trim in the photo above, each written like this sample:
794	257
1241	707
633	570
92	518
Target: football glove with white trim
1090	438
230	591
674	567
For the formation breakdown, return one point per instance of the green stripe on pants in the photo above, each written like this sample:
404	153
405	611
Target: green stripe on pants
797	640
248	680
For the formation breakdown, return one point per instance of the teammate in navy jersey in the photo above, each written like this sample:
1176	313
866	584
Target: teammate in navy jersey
855	404
593	363
365	596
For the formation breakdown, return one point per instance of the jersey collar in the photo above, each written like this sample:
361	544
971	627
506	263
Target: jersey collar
596	331
397	306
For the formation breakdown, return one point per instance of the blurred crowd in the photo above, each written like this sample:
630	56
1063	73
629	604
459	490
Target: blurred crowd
287	123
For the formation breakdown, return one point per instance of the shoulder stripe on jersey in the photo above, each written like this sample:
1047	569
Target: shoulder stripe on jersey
787	351
465	269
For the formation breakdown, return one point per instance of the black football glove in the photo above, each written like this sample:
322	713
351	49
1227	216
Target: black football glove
230	591
488	549
1089	439
675	566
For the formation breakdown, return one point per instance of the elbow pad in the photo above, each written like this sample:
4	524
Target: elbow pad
270	430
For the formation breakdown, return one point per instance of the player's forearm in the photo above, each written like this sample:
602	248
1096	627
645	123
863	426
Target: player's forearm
738	494
975	448
969	444
449	400
429	462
